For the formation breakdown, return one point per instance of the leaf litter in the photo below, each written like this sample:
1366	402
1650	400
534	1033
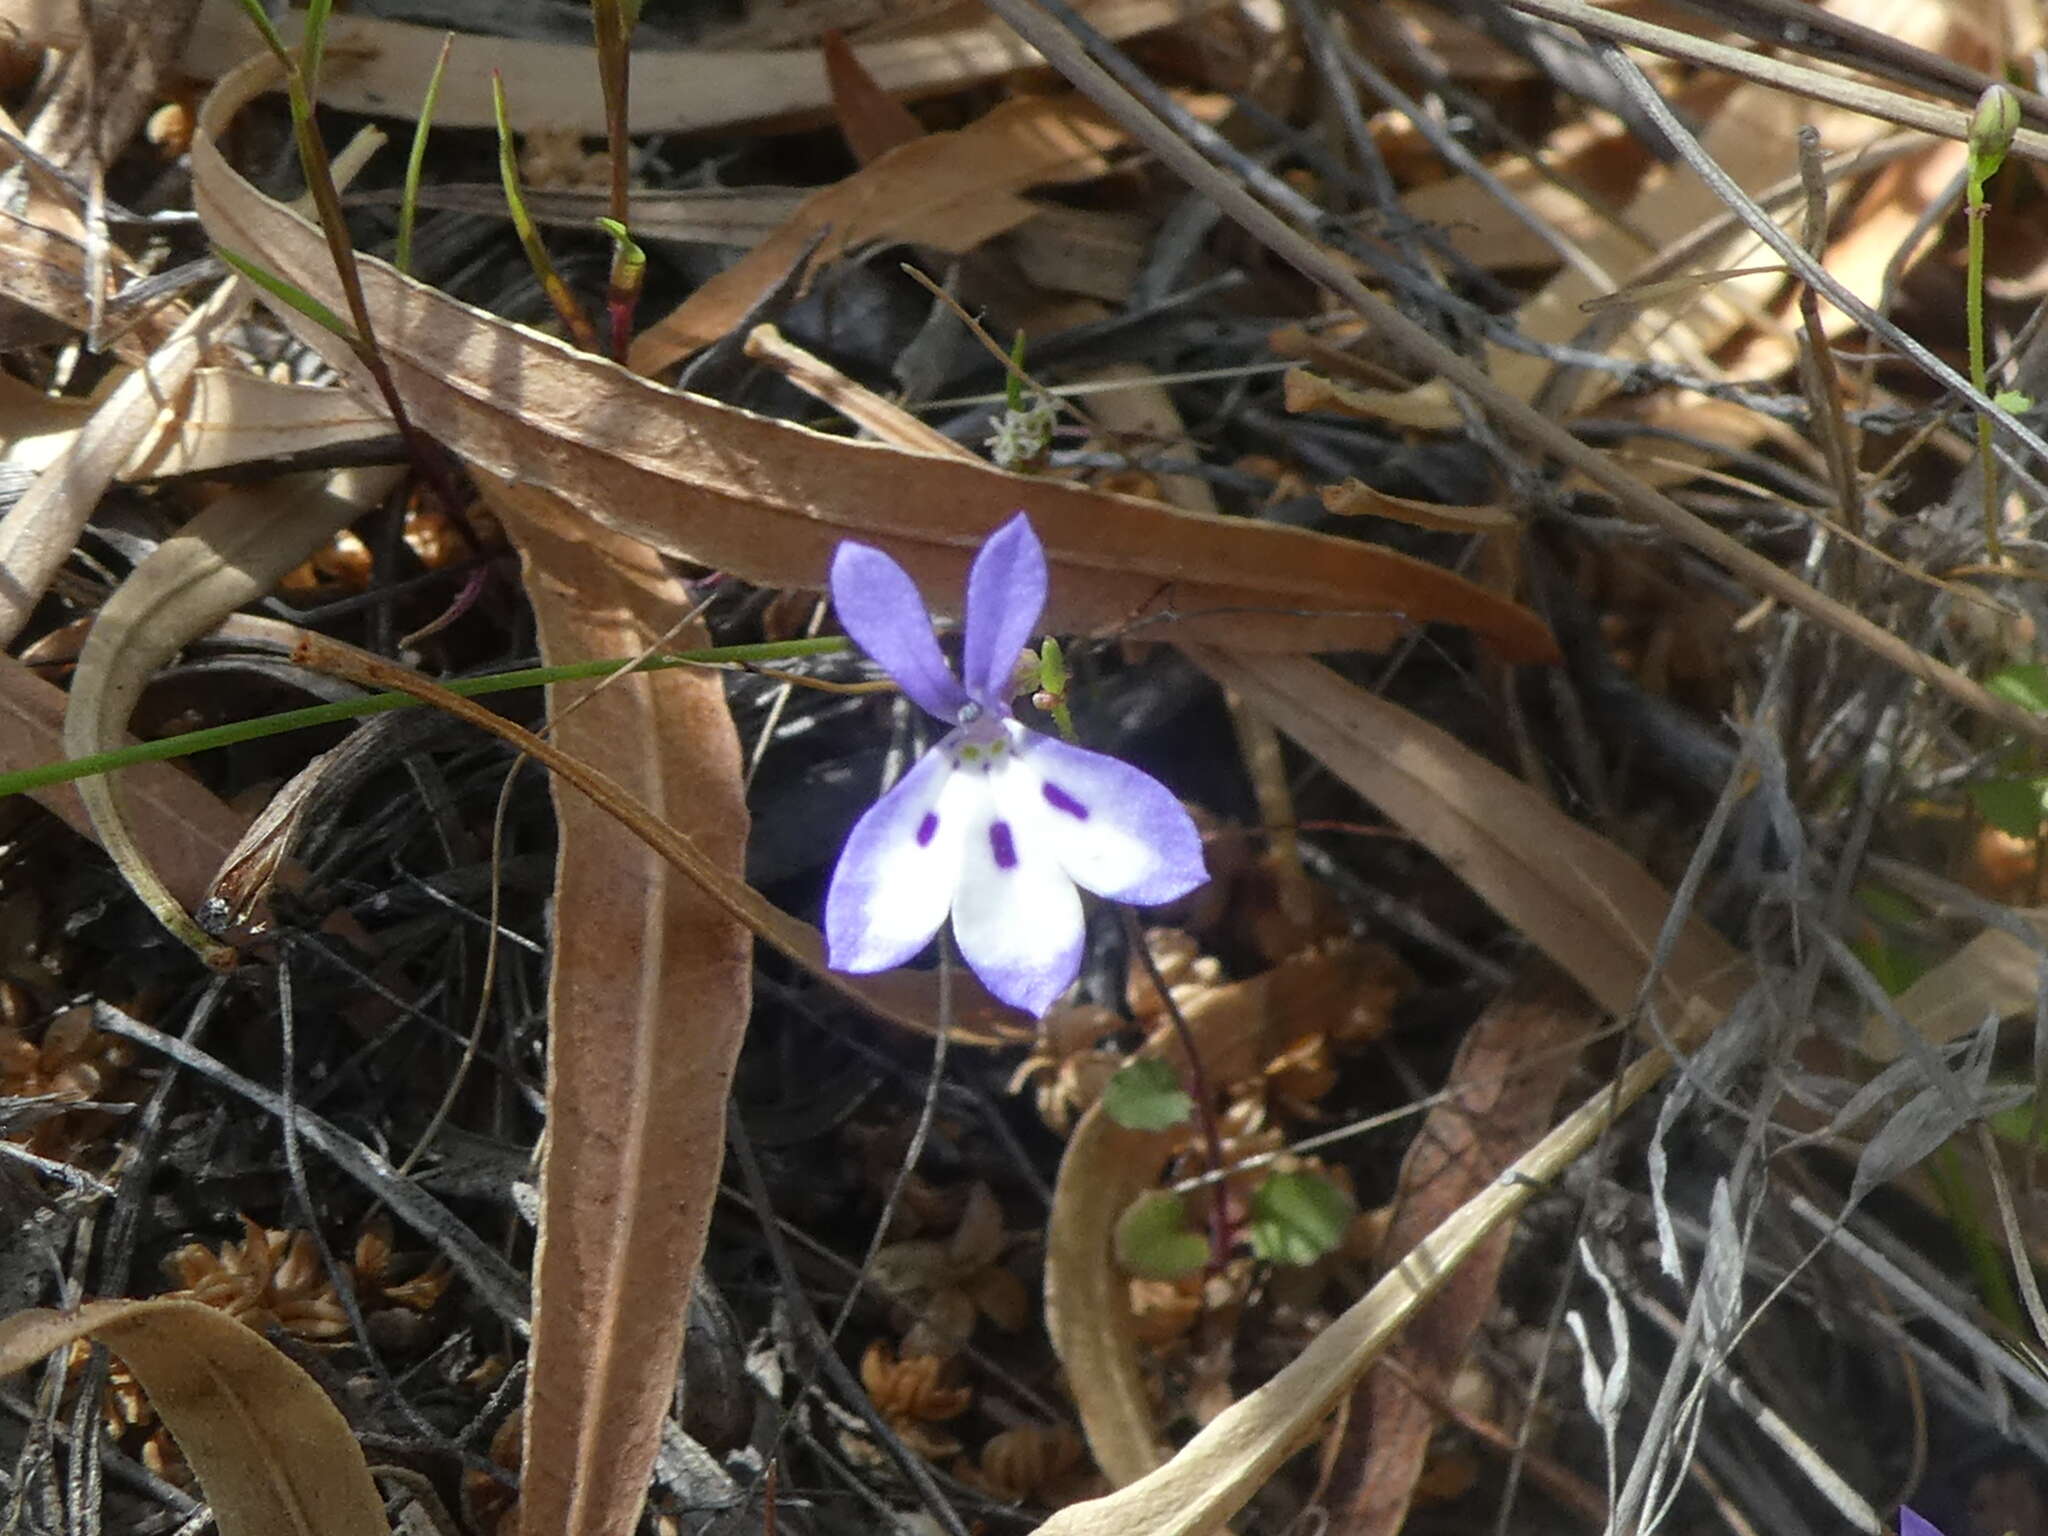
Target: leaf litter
1668	704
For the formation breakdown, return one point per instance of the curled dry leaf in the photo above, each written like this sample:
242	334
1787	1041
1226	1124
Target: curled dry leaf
1354	498
381	67
648	995
273	1454
769	502
230	554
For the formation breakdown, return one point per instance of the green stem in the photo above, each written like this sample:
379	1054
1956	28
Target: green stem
1974	213
186	744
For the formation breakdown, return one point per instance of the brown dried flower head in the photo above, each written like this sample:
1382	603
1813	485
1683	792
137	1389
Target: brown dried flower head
73	1063
1033	1465
915	1389
270	1279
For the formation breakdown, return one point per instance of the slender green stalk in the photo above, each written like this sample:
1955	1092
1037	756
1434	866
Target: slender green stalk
380	703
415	162
314	165
551	284
1991	135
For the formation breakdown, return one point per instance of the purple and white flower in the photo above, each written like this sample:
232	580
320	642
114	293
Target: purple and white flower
996	824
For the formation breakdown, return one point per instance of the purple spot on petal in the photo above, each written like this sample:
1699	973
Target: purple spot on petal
927	829
1003	845
1060	800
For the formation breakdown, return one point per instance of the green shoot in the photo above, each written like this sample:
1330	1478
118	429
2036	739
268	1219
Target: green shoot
551	283
1991	135
622	290
415	162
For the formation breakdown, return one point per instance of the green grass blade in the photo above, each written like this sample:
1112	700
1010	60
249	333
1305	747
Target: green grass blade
415	162
288	293
64	772
313	48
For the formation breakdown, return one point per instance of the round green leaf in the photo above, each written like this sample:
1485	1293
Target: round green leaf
1298	1217
1146	1095
1156	1241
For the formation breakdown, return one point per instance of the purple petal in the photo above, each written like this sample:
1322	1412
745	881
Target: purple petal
1005	596
1115	829
1911	1524
879	605
1016	914
896	875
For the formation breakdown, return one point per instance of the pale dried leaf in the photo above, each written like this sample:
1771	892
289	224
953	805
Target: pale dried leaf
1933	1115
381	67
273	1454
647	1005
1587	904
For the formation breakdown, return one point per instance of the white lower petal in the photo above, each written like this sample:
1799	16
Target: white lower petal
1115	829
892	885
1015	912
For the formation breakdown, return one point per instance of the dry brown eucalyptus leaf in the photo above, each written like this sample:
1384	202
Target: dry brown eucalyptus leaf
1503	1089
183	829
951	190
273	1454
769	502
648	994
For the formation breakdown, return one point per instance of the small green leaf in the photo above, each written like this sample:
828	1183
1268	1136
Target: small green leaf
2011	805
2013	400
2025	685
1156	1241
1298	1217
1146	1095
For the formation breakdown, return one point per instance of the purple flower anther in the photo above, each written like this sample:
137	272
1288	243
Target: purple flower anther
997	825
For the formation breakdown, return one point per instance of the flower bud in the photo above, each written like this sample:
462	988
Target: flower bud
1991	130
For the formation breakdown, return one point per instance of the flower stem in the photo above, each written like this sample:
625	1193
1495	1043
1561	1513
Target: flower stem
1198	1090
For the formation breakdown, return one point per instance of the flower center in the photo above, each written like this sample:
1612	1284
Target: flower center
980	742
